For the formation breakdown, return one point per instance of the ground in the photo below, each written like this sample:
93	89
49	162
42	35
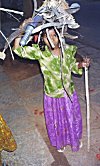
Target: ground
20	69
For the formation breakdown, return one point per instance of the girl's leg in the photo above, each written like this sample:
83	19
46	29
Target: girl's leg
63	121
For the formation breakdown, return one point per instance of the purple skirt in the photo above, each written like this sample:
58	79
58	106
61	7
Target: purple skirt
63	121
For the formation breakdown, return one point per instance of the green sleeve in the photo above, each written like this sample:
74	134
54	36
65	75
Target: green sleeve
73	64
30	52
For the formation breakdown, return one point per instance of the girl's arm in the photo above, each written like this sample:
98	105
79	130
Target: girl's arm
28	52
76	67
71	51
17	40
16	43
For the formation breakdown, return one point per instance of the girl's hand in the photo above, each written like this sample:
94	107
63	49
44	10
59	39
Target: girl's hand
17	40
86	62
25	22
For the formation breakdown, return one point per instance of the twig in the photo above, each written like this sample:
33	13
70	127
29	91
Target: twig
12	11
88	107
8	44
13	16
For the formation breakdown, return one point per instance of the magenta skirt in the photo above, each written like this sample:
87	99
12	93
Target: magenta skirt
63	121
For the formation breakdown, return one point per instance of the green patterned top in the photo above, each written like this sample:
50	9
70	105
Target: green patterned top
51	68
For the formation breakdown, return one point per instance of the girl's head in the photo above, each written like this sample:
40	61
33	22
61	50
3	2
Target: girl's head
49	38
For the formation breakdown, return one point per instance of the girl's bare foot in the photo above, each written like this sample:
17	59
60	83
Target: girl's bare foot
81	144
61	150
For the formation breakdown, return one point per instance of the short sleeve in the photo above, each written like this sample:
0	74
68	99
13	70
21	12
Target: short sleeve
30	52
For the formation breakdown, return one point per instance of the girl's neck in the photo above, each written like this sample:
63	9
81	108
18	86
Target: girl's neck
56	51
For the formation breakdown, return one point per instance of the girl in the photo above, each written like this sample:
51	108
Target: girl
61	106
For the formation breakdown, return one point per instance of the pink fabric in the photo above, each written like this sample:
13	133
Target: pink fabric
63	121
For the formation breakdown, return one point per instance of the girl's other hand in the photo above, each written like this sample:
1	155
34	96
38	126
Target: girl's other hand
86	62
25	22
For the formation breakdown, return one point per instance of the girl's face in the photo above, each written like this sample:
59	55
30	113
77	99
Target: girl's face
54	38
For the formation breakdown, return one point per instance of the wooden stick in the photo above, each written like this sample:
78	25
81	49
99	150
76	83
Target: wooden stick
12	11
88	107
8	44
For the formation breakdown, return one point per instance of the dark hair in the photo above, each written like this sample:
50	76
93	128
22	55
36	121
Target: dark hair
41	42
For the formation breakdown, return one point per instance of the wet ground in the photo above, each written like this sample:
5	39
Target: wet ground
20	69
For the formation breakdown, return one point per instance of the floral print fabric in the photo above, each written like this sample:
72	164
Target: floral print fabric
54	85
63	121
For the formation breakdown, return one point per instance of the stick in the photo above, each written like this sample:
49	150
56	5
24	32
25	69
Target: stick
12	11
8	44
88	107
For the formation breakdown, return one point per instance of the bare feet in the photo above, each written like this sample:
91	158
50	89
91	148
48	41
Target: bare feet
81	144
61	150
